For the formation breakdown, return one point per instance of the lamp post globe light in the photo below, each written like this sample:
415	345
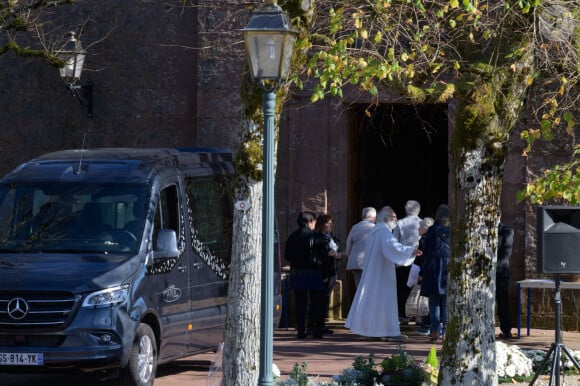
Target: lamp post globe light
270	42
73	55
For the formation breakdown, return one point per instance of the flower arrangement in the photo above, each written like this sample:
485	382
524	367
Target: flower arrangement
513	365
398	369
538	356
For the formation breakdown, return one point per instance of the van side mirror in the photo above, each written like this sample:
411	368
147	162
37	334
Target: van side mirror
166	245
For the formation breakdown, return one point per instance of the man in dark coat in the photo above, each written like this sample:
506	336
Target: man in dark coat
305	279
505	243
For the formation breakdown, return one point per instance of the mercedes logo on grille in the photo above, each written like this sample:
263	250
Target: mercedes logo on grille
18	308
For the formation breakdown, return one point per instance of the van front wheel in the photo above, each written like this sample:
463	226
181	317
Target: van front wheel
140	371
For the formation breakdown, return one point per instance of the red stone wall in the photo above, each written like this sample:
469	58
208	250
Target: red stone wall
143	60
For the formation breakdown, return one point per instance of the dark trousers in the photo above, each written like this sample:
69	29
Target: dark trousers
403	290
311	302
503	309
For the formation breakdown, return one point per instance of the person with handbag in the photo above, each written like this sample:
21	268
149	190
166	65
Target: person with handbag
407	233
422	320
306	276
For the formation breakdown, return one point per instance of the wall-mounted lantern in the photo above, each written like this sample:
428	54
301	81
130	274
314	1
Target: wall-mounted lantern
73	55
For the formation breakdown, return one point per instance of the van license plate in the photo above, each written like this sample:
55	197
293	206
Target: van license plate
21	359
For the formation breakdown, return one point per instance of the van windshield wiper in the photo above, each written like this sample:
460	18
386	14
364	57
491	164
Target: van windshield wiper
71	250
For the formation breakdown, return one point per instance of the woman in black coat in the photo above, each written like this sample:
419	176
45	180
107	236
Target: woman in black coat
327	246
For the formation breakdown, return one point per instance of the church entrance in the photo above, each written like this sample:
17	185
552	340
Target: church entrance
397	152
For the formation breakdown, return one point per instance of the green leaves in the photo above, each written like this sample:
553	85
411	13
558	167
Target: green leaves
390	43
335	20
527	5
299	373
560	184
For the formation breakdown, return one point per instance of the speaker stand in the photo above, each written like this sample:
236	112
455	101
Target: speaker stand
557	347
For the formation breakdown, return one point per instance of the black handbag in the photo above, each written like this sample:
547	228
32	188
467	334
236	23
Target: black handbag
314	258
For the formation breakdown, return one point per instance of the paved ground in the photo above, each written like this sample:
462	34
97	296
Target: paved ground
329	356
324	358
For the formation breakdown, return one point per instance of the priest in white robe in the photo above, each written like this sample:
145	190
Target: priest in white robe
373	312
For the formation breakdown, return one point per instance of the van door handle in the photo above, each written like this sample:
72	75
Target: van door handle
182	268
197	265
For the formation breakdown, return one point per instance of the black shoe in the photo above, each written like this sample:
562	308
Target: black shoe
505	335
328	331
318	336
301	336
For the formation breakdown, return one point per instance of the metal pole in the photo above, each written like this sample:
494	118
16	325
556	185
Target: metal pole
267	303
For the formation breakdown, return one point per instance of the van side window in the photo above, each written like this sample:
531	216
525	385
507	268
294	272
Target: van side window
166	217
210	205
166	214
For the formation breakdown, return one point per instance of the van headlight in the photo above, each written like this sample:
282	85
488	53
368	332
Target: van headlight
107	297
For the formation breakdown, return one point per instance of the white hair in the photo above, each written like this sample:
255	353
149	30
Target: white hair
384	213
369	213
426	222
412	208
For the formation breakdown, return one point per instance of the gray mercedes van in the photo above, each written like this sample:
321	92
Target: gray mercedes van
114	260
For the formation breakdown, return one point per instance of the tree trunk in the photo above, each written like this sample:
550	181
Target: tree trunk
468	356
488	107
242	350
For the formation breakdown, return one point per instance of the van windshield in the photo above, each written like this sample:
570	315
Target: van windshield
71	217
